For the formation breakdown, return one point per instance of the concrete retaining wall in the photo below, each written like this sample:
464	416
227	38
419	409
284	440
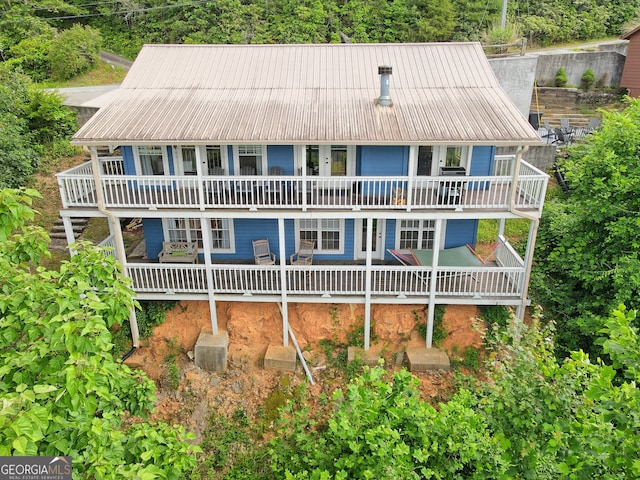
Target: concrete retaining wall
516	76
607	67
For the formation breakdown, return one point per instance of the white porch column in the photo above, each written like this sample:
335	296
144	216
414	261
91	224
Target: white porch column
413	155
367	283
528	262
68	231
283	283
205	226
432	284
116	228
501	226
201	166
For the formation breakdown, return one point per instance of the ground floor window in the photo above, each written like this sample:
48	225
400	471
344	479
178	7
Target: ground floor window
327	234
188	230
417	234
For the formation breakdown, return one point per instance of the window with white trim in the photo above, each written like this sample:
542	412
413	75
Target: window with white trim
151	160
327	233
188	230
416	234
188	160
250	157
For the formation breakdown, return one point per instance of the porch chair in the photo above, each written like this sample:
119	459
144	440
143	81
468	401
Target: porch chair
594	124
262	253
304	255
489	256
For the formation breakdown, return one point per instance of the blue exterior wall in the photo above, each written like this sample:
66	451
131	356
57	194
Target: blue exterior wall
460	232
384	160
281	156
153	236
129	163
389	238
482	159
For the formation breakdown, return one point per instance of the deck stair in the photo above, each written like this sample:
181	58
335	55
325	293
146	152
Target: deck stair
58	235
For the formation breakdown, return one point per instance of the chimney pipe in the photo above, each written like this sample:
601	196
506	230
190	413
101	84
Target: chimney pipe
385	73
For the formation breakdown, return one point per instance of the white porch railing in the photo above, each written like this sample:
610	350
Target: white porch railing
329	280
77	189
110	243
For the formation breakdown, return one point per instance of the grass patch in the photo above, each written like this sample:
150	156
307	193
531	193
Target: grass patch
515	229
103	74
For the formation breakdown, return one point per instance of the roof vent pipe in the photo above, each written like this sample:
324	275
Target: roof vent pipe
385	73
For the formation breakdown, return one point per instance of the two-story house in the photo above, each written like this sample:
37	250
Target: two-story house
382	157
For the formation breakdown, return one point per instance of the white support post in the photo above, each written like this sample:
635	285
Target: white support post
205	226
68	231
283	283
528	261
413	155
116	228
501	226
367	294
434	280
201	163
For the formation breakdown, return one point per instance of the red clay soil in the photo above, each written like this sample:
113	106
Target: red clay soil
253	326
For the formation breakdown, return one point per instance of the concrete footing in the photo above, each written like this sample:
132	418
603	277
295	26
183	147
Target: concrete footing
280	357
422	359
367	357
211	351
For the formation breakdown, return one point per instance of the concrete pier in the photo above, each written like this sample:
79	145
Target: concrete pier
211	351
423	359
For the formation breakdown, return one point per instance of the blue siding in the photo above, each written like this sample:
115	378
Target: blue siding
281	156
129	163
230	157
482	159
246	231
384	160
460	232
389	238
172	167
153	236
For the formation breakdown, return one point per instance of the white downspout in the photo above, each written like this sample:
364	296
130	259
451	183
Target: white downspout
117	232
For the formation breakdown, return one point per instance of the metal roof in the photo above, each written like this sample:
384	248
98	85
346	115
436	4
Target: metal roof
284	94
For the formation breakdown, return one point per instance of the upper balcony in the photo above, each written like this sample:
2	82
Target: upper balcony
78	189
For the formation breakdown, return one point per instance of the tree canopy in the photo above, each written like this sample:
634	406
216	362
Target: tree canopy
588	250
62	392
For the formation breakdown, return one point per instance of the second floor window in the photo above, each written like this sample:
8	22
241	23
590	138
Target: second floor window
250	159
151	160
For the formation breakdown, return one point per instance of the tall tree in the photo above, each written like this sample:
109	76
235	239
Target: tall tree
589	245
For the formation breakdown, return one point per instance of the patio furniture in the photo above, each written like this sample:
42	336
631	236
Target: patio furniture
304	255
489	256
178	252
594	124
262	253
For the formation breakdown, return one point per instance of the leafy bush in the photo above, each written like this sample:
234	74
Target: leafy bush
49	120
561	78
381	429
62	392
588	79
74	51
31	56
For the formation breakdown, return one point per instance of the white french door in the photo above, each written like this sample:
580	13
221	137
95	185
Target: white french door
377	239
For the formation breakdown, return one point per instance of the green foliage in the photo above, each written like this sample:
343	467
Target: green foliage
588	79
62	391
18	158
49	120
439	333
31	56
570	420
74	51
498	35
588	249
561	78
381	429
